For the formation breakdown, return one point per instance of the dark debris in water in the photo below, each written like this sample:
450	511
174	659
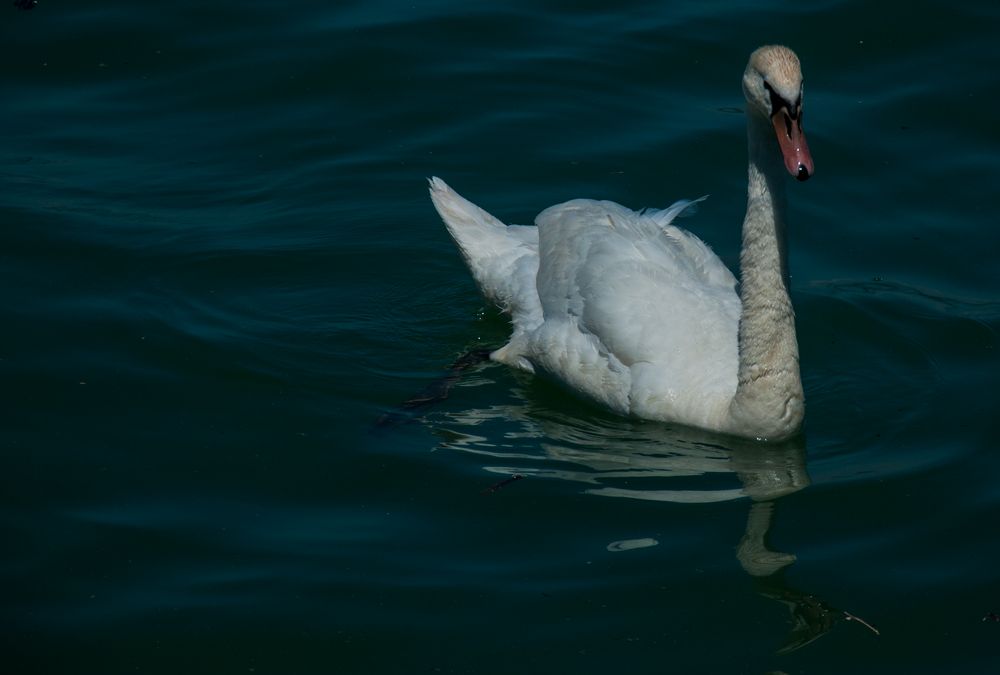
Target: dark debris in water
811	617
507	481
851	617
25	4
992	616
434	392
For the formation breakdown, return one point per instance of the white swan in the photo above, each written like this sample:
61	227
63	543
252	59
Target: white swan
640	315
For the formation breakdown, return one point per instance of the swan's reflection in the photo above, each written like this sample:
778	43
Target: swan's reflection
609	453
613	457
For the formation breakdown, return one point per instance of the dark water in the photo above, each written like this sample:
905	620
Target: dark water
220	266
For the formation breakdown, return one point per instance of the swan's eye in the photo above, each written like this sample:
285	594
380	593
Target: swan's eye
778	102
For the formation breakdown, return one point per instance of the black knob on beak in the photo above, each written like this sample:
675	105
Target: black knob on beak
803	173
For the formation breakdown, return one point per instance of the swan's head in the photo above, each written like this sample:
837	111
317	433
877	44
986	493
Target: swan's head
772	85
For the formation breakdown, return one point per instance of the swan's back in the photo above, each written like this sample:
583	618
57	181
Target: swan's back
650	296
621	305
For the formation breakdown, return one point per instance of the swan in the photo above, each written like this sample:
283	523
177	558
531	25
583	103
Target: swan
640	315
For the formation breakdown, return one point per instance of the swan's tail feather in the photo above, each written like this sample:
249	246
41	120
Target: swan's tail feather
466	222
503	260
682	208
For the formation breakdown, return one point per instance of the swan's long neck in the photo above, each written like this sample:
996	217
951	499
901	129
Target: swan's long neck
769	402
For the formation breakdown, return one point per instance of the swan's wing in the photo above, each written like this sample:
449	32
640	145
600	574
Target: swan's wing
503	260
650	297
611	251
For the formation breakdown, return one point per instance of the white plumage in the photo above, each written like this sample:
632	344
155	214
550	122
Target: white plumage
641	315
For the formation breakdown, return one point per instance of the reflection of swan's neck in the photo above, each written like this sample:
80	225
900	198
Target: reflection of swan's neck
769	399
752	552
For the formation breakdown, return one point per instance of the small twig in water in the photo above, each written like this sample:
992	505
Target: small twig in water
851	617
507	481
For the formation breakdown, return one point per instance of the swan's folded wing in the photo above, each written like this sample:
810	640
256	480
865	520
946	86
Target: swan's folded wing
587	247
654	297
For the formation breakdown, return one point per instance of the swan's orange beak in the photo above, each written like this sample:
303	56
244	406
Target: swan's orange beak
792	141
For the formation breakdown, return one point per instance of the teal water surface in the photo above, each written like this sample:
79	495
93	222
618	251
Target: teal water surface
220	268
